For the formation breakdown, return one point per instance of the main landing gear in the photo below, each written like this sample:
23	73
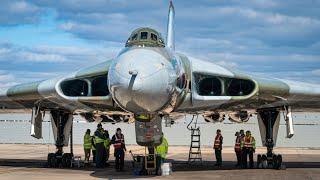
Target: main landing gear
61	125
269	121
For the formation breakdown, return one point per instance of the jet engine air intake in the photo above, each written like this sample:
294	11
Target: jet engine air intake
97	86
240	87
75	88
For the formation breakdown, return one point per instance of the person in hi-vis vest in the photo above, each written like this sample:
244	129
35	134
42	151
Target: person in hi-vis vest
87	146
218	141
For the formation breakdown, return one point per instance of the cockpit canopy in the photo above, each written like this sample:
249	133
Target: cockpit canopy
145	37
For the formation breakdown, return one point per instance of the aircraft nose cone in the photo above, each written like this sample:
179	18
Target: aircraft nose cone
139	81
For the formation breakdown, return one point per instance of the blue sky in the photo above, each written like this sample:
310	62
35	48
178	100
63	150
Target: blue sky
43	39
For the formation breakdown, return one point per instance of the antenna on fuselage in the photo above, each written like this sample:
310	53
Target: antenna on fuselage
171	27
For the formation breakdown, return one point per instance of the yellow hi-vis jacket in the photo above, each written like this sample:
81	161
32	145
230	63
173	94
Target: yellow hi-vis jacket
99	136
107	143
93	143
248	142
162	149
87	141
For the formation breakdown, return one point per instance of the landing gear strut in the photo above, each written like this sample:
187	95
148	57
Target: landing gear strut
269	125
61	124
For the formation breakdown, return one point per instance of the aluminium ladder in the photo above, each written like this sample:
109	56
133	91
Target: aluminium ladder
195	151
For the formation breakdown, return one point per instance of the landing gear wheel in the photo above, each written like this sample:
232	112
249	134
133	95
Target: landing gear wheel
53	161
279	161
63	160
275	163
259	161
264	161
68	159
49	159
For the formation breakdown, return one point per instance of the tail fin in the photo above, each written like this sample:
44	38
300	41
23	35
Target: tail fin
171	27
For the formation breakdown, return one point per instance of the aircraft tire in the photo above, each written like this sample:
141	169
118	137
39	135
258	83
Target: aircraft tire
264	161
53	161
63	160
275	163
279	161
49	159
69	159
259	161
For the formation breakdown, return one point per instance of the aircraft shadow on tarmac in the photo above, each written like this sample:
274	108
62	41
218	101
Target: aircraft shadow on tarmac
177	166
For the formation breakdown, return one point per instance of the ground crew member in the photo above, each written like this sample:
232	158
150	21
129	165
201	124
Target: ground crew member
87	146
107	143
218	148
93	148
242	133
237	148
162	151
99	138
119	148
248	146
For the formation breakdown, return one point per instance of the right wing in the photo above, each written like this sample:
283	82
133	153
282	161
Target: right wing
85	90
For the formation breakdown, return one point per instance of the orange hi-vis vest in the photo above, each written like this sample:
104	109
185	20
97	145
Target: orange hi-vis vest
237	146
248	142
217	144
117	144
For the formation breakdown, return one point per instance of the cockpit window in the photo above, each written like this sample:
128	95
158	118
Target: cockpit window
134	37
144	35
154	37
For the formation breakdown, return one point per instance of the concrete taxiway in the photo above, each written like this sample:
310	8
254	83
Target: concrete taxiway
21	161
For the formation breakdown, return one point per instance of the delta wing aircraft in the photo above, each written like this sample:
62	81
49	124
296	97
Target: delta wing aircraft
149	82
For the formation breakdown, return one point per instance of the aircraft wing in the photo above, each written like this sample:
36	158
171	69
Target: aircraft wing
85	90
218	88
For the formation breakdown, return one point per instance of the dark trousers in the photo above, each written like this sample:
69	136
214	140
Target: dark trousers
99	155
104	157
119	155
247	151
94	156
87	153
159	161
218	156
239	159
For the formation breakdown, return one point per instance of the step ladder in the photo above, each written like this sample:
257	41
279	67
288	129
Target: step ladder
150	161
195	151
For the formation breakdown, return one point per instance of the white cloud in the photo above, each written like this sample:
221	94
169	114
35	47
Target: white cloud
22	7
14	12
37	57
227	64
6	78
316	72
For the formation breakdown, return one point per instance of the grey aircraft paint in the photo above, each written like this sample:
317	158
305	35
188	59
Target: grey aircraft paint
150	78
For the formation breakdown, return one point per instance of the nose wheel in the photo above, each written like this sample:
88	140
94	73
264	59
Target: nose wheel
274	162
